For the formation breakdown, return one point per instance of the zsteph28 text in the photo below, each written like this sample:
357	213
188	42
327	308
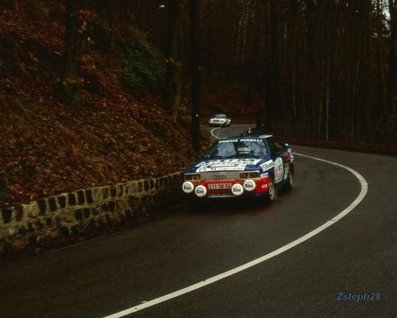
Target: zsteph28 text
358	297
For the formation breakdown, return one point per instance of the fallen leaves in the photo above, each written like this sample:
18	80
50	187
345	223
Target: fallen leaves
48	148
82	149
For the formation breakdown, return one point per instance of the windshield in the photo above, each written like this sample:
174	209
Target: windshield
220	116
232	148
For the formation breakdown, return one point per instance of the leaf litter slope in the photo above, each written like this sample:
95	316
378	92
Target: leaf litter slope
47	147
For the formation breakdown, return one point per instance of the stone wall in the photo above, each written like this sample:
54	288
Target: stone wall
85	212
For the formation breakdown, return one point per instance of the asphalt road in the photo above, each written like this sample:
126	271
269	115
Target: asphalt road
349	269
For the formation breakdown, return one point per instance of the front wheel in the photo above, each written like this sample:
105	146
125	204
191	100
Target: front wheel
272	194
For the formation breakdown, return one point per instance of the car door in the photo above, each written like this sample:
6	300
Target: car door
277	155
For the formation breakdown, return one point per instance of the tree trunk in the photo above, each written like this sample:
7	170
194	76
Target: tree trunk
104	30
273	89
209	38
70	83
109	20
392	78
195	38
175	55
12	5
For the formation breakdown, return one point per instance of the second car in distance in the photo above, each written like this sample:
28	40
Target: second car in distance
219	120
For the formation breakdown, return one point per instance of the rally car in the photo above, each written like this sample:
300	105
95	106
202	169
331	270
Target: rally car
241	166
219	120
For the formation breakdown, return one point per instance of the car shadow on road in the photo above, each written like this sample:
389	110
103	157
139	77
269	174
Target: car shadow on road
229	206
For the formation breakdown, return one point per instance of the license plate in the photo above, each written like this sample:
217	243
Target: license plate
219	186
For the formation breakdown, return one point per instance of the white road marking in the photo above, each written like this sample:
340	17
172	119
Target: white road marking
212	132
211	280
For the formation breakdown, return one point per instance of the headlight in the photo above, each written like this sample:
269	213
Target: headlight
188	187
246	175
249	185
193	176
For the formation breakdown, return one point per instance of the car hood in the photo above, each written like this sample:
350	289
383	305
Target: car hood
238	164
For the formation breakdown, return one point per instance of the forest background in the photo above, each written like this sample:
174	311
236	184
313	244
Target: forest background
94	92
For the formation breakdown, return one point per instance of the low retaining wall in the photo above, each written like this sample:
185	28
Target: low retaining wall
85	212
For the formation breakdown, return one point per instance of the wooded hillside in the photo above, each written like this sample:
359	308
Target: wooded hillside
94	92
98	122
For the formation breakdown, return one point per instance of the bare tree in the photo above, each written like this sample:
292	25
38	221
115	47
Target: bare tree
70	83
12	5
175	58
106	9
272	85
392	74
325	68
195	72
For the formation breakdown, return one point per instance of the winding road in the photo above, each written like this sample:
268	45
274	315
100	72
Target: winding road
326	249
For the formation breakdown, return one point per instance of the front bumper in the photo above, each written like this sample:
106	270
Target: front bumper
227	187
211	123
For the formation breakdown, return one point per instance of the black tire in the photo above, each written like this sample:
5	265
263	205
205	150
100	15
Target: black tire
272	195
290	182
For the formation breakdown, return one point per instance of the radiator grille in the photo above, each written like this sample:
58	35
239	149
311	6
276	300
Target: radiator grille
219	175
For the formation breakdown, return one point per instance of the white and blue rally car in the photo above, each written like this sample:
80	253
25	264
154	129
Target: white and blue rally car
253	165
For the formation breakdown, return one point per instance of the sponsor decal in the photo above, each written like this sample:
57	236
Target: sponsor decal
278	170
241	139
267	165
226	164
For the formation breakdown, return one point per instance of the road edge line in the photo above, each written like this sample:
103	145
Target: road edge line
213	279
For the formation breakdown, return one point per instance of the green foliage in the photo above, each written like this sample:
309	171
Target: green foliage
144	66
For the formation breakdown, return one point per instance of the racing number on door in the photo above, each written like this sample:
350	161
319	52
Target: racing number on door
278	170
